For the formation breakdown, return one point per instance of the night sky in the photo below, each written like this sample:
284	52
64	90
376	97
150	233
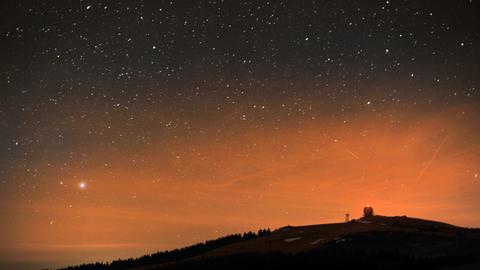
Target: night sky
128	127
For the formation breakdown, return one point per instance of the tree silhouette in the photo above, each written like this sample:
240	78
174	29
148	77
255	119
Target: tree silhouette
172	255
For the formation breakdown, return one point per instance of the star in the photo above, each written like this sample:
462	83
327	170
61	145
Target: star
82	185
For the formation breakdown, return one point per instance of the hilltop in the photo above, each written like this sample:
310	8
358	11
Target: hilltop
377	242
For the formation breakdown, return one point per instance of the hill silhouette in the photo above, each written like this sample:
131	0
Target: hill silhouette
376	242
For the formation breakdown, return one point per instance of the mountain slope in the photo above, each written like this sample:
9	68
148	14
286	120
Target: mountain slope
304	238
375	242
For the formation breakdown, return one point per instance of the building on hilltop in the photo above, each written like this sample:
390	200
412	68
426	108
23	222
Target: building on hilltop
368	211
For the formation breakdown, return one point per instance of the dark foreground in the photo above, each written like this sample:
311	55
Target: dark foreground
377	243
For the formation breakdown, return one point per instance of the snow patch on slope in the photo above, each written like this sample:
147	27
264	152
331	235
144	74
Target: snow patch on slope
289	240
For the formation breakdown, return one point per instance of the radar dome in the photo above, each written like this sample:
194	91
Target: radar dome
367	211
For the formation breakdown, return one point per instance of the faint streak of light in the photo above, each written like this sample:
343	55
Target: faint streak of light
353	154
202	193
88	246
424	169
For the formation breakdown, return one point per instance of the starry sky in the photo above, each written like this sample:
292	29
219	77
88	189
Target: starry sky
128	127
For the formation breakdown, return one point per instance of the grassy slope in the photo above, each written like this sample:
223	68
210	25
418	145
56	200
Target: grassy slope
380	234
314	236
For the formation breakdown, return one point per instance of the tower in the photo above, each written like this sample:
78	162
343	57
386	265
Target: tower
347	217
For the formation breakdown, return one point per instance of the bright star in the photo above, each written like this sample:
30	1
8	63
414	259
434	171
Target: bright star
82	185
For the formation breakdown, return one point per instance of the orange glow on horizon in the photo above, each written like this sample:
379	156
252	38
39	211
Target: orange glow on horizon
256	180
